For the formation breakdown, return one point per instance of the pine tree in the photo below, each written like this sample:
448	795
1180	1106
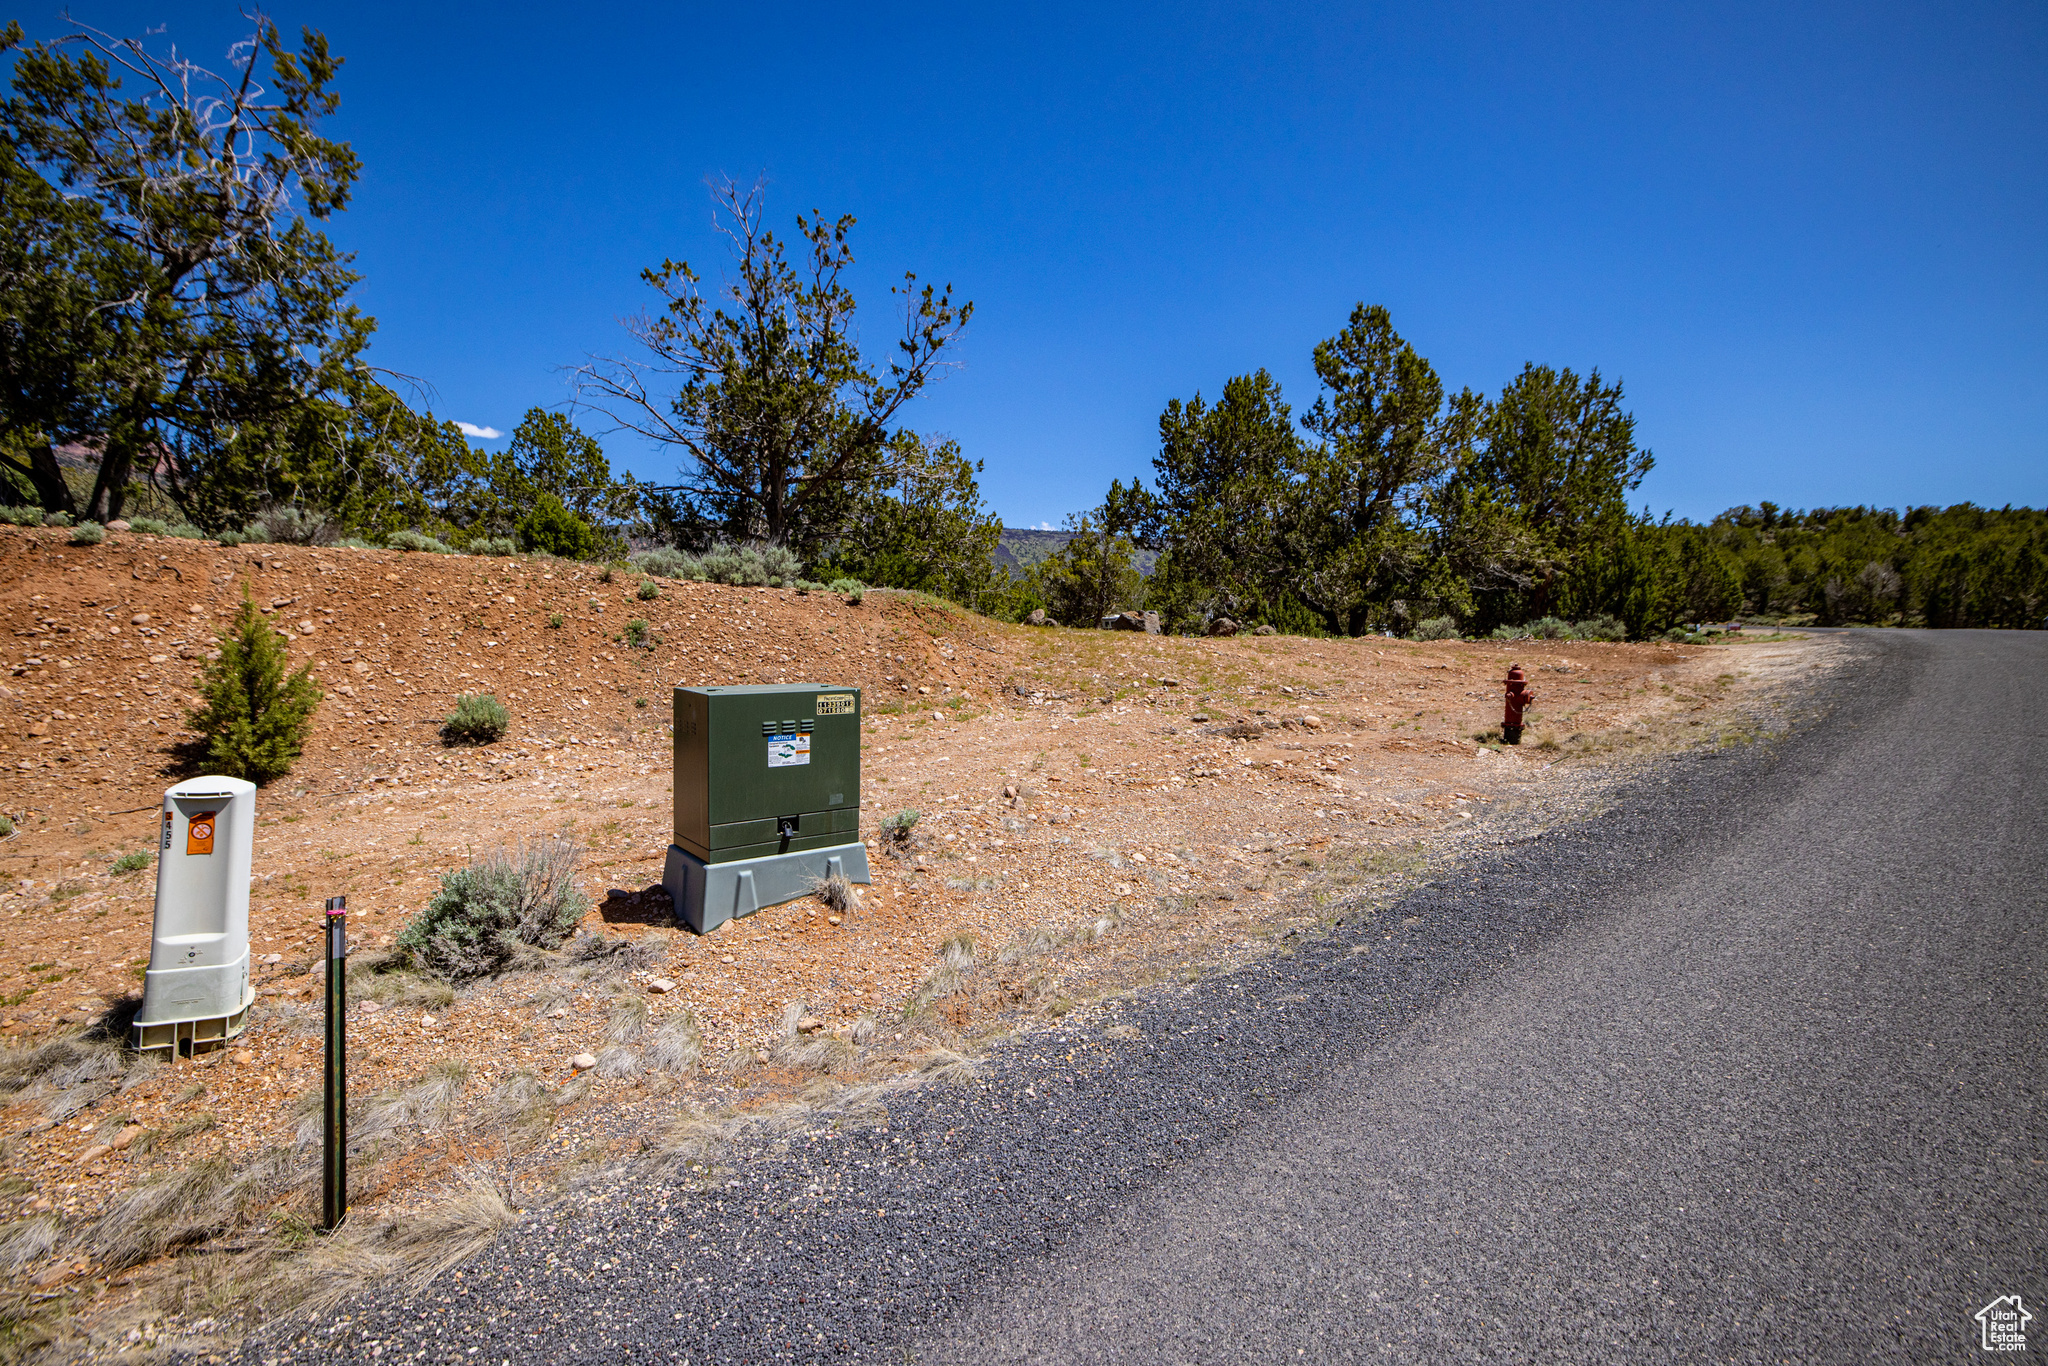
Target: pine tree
255	718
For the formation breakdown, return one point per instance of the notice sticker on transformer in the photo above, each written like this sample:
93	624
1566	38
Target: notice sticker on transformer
787	751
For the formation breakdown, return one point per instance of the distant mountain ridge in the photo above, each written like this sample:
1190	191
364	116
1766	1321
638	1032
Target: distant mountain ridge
1019	548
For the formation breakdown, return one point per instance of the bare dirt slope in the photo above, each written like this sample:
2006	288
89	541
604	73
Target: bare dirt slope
1118	805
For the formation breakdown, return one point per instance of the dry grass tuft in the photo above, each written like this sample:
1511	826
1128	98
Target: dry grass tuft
174	1211
625	1018
617	1063
839	895
947	977
521	1108
677	1046
458	1228
27	1241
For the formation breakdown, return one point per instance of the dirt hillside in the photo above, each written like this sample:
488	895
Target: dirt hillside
1117	805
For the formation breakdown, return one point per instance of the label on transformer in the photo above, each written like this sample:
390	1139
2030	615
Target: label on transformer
788	750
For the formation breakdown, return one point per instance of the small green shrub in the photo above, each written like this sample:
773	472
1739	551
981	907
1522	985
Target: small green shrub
648	590
88	533
639	702
475	924
896	830
1602	627
57	519
6	826
493	545
636	635
845	586
232	538
254	718
550	527
185	531
148	526
131	863
1551	628
1436	628
478	719
354	543
21	516
415	540
554	621
1509	633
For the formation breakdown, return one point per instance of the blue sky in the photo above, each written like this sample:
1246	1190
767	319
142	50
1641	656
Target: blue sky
1809	239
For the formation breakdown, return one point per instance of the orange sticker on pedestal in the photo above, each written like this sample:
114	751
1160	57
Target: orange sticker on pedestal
199	833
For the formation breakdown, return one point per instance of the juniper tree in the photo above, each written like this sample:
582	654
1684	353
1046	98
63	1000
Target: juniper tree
255	716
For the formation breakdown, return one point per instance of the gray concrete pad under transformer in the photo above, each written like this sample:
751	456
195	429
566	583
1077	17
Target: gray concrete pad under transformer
706	895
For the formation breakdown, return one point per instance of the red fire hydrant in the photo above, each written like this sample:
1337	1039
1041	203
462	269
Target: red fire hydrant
1519	699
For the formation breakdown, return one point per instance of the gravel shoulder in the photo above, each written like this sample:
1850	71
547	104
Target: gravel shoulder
860	1225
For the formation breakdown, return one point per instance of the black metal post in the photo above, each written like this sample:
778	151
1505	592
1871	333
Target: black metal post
334	1151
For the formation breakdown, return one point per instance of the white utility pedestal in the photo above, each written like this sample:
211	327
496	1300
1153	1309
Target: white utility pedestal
197	994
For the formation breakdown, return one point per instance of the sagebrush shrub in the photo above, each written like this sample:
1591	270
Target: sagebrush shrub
148	526
414	540
478	719
1436	628
475	924
21	516
88	533
254	717
1602	627
665	562
290	525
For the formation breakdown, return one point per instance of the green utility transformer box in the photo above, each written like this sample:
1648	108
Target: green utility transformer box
767	798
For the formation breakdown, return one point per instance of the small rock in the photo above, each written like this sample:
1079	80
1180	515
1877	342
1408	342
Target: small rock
1224	626
727	960
1169	682
1010	791
583	1062
371	1008
1312	722
809	1024
1262	630
831	920
924	692
426	1022
660	985
95	1152
118	524
139	619
1035	617
126	1137
273	958
760	1055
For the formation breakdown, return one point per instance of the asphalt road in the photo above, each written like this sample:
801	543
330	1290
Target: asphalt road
1749	1068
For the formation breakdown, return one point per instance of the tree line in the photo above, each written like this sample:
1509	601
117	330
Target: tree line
170	306
1394	505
